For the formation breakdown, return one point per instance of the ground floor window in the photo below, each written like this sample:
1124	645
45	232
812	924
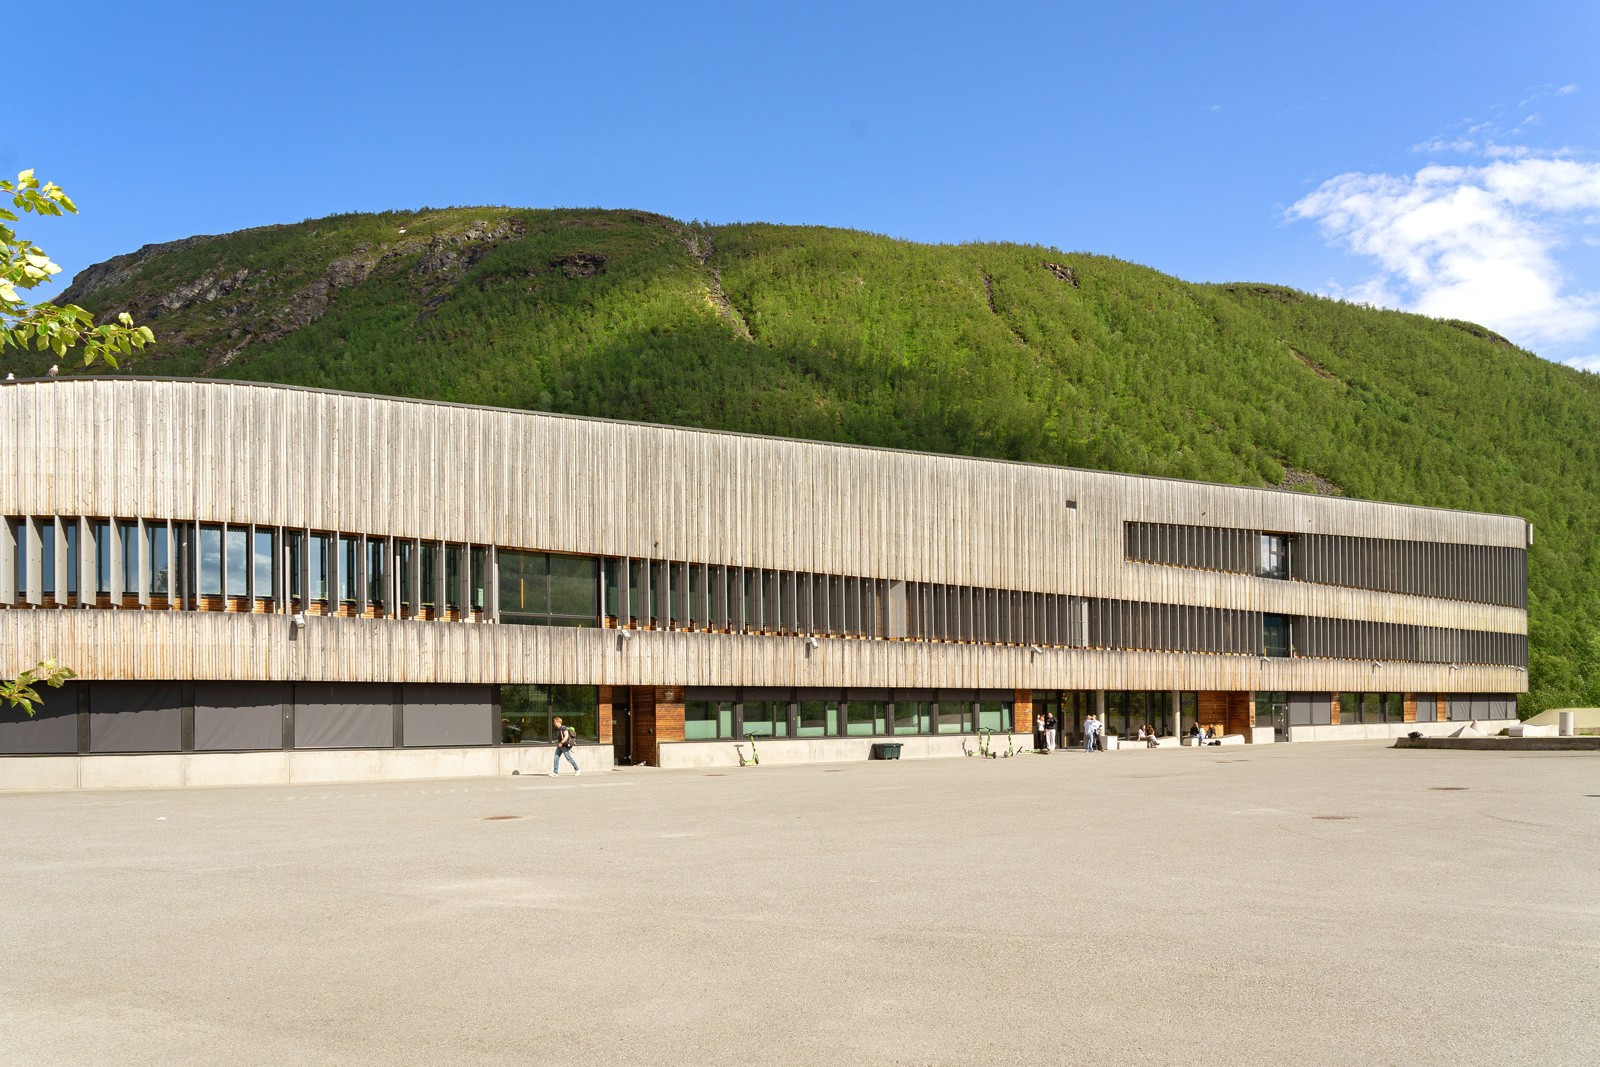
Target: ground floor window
766	718
707	720
817	718
528	712
865	717
995	715
1272	709
733	715
1371	708
912	717
955	716
1126	712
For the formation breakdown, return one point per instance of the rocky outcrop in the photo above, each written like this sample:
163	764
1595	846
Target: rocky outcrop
699	247
447	256
580	264
1316	368
1064	272
1309	481
252	306
119	270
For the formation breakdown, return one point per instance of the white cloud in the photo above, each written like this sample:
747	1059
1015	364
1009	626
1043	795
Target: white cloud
1566	90
1589	363
1470	242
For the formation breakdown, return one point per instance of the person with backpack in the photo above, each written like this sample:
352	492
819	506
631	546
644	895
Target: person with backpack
564	742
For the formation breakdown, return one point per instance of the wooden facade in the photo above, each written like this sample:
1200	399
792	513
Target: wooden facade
213	452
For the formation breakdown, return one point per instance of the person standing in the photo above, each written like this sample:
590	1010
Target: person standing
564	742
1091	732
1051	725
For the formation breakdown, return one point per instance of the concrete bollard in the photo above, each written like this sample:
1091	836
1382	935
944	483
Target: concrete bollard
1568	725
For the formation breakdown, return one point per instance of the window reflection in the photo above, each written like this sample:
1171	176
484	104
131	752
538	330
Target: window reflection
158	565
527	712
263	559
210	561
238	560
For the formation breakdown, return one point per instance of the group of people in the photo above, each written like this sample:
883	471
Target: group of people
1046	732
1094	734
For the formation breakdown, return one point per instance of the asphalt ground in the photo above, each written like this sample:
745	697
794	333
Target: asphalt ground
1290	904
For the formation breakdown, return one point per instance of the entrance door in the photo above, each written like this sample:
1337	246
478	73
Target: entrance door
621	727
642	718
1272	709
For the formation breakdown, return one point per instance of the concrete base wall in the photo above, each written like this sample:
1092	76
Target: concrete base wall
1389	731
39	773
791	750
1504	744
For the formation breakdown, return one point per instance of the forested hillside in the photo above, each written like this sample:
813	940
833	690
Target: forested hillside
1013	351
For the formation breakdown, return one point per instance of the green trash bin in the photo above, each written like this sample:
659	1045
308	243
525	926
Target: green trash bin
886	750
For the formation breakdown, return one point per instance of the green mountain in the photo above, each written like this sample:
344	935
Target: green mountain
1015	351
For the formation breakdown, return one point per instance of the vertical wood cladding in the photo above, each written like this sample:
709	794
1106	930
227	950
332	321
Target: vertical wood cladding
1022	711
961	529
1365	639
669	714
226	452
1212	710
1226	712
642	745
1240	715
604	711
1485	574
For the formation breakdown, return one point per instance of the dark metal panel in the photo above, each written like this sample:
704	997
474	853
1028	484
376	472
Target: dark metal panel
344	715
707	693
447	715
53	729
239	716
135	716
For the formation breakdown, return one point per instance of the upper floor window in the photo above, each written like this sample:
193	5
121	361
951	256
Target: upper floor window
238	559
349	582
262	560
210	561
536	587
1275	635
1274	556
157	554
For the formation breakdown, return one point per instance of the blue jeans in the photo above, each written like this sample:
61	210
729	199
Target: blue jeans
555	764
1088	742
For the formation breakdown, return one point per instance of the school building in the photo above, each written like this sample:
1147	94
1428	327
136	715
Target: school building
260	583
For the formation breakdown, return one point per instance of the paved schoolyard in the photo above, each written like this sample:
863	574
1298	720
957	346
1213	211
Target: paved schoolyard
1304	904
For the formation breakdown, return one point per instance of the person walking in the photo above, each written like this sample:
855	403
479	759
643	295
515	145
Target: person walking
564	743
1091	732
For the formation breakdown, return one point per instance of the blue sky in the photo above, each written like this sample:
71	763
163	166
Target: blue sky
1439	157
